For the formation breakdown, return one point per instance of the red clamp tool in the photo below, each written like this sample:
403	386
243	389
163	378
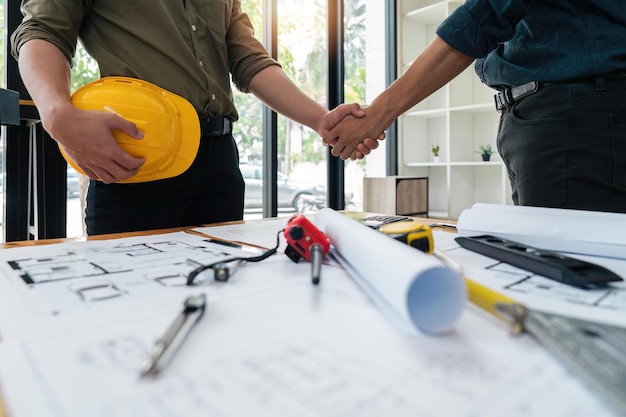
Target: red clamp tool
305	240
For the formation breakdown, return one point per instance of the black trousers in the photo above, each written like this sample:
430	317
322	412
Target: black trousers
211	190
565	146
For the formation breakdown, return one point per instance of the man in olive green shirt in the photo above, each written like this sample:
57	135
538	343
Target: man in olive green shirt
188	47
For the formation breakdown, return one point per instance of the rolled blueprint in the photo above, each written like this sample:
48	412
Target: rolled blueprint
561	230
412	286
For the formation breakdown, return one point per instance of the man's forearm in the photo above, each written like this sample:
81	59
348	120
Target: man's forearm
46	75
434	68
272	86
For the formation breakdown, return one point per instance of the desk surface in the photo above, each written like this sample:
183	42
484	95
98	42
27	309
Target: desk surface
175	229
23	243
125	235
429	366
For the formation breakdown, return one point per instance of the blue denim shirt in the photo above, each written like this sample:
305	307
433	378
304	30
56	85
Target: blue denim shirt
517	41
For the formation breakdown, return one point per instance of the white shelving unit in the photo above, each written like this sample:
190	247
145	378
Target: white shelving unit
459	118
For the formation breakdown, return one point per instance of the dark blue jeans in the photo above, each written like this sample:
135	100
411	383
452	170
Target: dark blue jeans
211	190
565	146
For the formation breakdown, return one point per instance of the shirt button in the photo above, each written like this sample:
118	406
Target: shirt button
201	64
193	27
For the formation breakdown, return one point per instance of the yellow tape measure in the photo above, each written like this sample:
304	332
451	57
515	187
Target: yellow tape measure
412	233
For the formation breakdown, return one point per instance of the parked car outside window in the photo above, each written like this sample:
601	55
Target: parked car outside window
302	197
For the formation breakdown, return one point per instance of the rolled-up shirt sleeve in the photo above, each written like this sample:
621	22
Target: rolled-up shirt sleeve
246	55
57	22
478	26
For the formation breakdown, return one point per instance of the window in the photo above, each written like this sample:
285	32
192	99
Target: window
301	173
84	70
302	52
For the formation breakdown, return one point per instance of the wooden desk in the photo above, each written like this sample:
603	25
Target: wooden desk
39	242
6	245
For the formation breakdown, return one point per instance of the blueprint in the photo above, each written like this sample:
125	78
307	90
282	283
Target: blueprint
78	275
78	321
289	349
606	304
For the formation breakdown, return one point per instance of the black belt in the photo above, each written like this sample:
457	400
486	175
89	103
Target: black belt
508	96
215	126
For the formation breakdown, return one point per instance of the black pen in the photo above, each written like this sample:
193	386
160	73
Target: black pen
165	347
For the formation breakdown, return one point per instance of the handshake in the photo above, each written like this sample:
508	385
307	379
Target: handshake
352	130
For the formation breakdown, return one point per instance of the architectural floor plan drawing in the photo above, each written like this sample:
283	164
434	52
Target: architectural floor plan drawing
611	297
606	304
75	274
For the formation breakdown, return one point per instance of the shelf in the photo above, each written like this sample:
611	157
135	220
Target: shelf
427	114
419	24
460	117
426	164
454	164
476	164
429	15
475	108
435	113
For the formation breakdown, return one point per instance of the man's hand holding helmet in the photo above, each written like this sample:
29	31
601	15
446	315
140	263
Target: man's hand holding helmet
86	137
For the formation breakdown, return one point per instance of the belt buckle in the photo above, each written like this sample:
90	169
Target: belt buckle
498	101
216	126
509	96
501	100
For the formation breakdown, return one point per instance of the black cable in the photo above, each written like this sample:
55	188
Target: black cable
193	274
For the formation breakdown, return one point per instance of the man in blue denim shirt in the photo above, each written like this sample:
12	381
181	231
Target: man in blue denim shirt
560	69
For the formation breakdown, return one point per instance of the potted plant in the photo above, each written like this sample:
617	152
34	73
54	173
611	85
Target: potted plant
485	151
435	149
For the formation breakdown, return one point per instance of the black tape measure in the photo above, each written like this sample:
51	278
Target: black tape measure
411	233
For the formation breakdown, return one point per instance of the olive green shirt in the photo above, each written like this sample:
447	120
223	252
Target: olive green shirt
188	47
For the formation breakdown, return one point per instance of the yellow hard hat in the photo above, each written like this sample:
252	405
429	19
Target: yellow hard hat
169	123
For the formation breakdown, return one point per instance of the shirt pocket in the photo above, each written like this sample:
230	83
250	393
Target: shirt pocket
213	15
